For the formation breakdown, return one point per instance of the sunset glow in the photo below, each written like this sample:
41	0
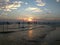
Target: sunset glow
30	10
30	19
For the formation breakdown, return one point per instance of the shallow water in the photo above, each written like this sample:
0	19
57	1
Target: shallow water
26	35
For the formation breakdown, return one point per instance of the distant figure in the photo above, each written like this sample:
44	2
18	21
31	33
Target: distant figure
3	26
19	24
7	25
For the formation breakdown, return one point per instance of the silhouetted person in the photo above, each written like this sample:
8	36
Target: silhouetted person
19	24
3	26
7	25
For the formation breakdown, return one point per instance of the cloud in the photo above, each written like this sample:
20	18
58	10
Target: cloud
26	3
7	0
57	0
6	5
40	3
48	10
33	9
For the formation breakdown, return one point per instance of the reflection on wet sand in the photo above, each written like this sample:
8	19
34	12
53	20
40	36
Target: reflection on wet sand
30	34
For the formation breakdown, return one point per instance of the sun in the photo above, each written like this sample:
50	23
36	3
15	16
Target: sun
30	19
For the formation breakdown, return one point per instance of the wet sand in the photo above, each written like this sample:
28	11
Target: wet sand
32	36
53	38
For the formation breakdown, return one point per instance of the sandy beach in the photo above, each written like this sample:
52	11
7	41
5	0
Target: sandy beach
29	36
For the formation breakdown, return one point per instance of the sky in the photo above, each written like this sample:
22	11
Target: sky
37	9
